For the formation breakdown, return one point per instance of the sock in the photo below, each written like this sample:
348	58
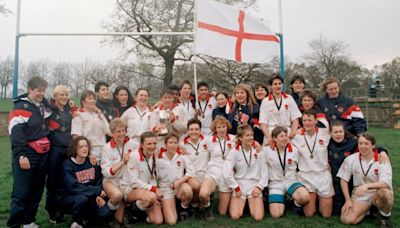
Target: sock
207	205
296	204
112	207
386	215
184	207
140	206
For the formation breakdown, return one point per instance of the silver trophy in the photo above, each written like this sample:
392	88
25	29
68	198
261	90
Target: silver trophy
163	121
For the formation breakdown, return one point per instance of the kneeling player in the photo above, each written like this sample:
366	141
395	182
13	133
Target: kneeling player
282	159
246	173
174	169
139	179
372	183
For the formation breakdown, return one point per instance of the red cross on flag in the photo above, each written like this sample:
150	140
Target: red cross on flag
226	32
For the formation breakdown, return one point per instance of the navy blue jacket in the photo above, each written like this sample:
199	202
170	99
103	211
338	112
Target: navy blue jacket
107	108
60	126
219	112
233	116
26	123
80	179
344	109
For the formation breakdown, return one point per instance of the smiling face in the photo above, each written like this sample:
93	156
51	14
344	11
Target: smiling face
61	98
36	94
221	100
82	150
172	144
298	86
194	131
337	133
276	86
103	93
119	134
241	96
142	97
365	146
122	97
89	102
185	91
167	100
281	139
149	145
260	93
221	129
309	122
247	138
307	102
332	90
203	92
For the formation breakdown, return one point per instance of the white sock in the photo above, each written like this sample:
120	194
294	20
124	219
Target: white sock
385	214
112	206
183	206
207	205
140	206
296	204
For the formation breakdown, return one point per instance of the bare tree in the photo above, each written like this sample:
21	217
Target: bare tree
61	74
6	75
4	10
390	75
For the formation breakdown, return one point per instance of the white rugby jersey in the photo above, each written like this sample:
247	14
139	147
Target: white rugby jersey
111	155
206	108
378	172
187	106
169	171
272	116
180	118
200	157
236	168
217	147
137	121
137	172
290	162
92	125
318	161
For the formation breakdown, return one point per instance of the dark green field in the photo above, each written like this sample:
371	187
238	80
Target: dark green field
388	138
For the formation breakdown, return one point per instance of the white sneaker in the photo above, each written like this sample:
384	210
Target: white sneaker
32	225
75	225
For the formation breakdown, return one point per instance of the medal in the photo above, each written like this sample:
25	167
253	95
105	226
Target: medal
223	157
284	174
110	117
202	116
63	129
197	153
203	110
311	156
335	155
195	148
152	177
365	178
308	146
248	163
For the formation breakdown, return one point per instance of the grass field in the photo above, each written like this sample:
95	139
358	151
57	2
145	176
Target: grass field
389	138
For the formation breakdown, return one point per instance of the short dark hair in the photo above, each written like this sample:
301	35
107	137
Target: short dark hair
166	91
99	84
275	76
310	113
173	87
277	130
85	94
193	121
201	84
186	82
170	135
147	134
368	137
222	93
142	89
308	93
116	91
37	82
73	147
297	78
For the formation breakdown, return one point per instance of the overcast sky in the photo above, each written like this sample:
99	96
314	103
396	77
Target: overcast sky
369	27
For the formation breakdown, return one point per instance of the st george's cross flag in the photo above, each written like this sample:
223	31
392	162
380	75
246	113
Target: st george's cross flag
226	32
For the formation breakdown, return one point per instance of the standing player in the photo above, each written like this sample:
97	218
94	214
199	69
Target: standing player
278	109
372	183
139	180
28	130
103	101
312	142
207	104
186	100
246	173
282	159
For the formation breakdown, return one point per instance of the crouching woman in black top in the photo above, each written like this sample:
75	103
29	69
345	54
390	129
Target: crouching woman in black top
82	192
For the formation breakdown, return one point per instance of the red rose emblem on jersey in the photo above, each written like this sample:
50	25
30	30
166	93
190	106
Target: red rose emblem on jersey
130	150
347	153
210	106
376	171
229	146
178	163
255	156
205	146
286	107
321	142
340	109
289	161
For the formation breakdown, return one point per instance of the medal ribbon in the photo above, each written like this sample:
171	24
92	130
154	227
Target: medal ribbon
251	154
220	146
283	164
141	115
308	146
